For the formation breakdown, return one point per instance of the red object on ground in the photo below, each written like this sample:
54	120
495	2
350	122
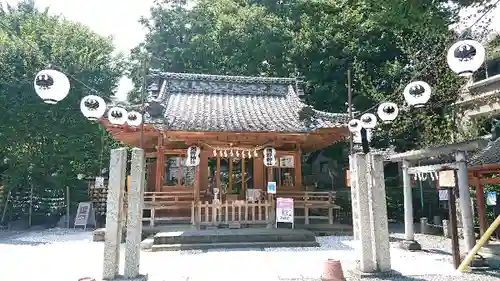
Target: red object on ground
332	271
86	279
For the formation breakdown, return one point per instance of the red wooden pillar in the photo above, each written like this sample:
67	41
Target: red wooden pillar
480	204
160	164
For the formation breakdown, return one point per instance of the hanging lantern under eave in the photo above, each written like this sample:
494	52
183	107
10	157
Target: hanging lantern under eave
51	85
417	93
465	57
387	112
93	107
134	118
117	116
368	120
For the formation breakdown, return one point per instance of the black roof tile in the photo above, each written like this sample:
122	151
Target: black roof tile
199	102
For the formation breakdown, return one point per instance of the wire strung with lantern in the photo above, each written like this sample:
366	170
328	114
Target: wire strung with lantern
464	58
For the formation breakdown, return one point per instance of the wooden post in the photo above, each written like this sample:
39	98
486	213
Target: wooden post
160	164
217	176
196	191
243	189
298	169
270	198
455	248
480	204
230	176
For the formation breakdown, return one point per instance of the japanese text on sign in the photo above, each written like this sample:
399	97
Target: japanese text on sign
284	210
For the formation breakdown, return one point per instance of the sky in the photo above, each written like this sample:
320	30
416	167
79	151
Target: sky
119	18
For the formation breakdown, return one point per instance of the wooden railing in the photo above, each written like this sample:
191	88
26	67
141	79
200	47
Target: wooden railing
169	200
236	212
308	200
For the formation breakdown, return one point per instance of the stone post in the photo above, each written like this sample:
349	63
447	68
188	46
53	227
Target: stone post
424	226
465	202
367	262
446	228
409	243
114	206
134	216
354	198
378	212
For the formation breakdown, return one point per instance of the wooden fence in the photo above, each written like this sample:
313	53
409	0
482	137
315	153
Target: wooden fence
236	212
171	200
320	203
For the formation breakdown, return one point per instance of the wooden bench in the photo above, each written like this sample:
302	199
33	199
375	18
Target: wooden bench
168	200
307	200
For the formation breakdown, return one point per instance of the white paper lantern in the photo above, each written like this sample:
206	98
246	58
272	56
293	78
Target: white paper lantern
465	57
354	125
134	118
51	85
93	107
387	112
117	116
368	120
417	93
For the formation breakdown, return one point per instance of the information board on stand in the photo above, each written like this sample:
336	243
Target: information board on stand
85	215
284	211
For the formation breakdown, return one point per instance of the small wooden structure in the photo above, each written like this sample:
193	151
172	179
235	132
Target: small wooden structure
231	119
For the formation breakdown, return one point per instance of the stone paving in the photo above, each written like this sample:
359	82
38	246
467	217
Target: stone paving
69	255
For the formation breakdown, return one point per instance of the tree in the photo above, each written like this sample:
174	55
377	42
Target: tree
386	44
46	146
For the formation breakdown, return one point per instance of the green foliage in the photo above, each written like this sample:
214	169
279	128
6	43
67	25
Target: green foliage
46	146
386	44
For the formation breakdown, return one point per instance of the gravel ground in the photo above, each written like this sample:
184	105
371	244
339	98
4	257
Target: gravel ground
59	254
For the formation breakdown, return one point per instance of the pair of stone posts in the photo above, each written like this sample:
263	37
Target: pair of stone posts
369	209
465	204
114	215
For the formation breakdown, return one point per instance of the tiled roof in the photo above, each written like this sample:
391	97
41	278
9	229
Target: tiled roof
199	102
488	155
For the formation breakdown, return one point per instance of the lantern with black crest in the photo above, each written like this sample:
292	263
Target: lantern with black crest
117	115
465	57
417	93
134	118
387	112
93	107
355	128
270	157
51	85
368	121
193	156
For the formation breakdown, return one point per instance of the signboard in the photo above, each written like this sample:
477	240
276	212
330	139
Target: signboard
348	178
287	161
491	198
85	215
444	195
447	178
284	210
271	187
99	182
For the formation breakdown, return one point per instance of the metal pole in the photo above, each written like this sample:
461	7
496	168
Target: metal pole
455	250
143	94
68	209
349	106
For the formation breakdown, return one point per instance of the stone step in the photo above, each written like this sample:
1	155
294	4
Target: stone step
245	235
207	246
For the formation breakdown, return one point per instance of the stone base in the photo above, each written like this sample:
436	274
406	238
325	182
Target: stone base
123	278
410	245
377	274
